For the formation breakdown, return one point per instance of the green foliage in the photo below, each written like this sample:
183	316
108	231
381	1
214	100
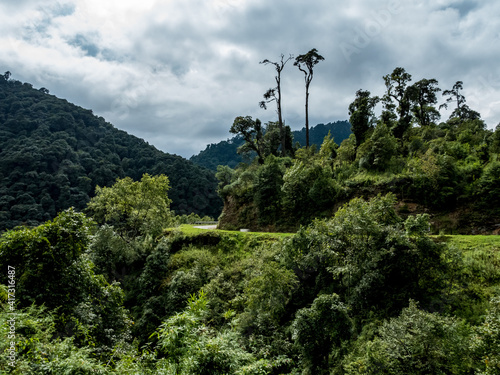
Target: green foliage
328	150
488	186
191	346
308	190
378	151
45	259
38	349
423	97
347	151
52	269
270	291
319	328
225	175
398	99
134	208
268	194
332	298
365	255
252	132
416	342
486	341
361	114
446	169
495	144
311	303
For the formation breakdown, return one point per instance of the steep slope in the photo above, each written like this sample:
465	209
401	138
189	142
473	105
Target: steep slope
54	153
224	152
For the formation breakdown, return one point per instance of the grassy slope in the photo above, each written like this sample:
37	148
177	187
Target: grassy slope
192	230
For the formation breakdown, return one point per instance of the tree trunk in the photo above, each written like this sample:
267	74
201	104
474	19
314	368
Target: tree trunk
280	118
307	115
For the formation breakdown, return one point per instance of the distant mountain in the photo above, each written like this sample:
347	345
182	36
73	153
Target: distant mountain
224	152
54	153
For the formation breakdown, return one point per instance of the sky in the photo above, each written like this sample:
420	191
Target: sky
177	72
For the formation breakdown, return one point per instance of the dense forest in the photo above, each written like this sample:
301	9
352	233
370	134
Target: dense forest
121	290
54	154
226	152
352	280
450	169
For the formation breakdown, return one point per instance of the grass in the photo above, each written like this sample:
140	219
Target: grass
189	229
475	243
481	270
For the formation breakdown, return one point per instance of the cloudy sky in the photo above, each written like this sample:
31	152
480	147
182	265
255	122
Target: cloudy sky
177	72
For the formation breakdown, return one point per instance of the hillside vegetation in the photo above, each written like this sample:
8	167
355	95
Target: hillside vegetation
364	292
54	154
449	169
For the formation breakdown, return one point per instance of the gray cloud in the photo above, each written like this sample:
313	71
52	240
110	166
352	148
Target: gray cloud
177	73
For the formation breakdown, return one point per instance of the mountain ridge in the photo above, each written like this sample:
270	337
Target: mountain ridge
54	153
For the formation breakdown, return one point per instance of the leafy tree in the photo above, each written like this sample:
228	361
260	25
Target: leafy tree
486	341
416	342
346	153
225	176
361	114
262	141
318	329
396	84
191	346
40	349
378	151
495	145
488	186
365	256
268	191
274	94
253	134
134	208
423	97
269	292
272	143
305	63
45	256
462	110
328	151
308	190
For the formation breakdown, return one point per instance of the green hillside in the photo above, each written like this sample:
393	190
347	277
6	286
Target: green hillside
352	294
225	152
448	169
53	154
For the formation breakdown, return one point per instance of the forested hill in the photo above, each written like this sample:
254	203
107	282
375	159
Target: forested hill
54	153
224	152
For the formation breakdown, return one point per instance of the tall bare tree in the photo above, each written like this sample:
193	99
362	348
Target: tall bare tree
306	63
274	94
